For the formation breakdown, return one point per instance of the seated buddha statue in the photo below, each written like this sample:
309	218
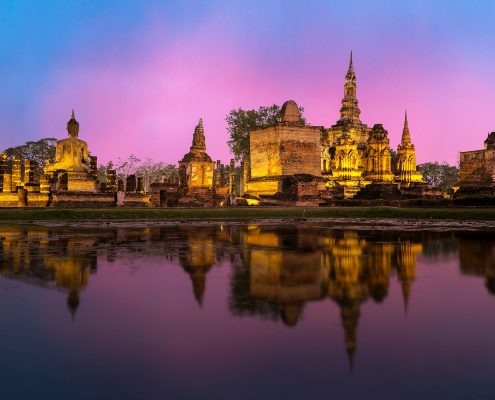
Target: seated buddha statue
71	167
71	154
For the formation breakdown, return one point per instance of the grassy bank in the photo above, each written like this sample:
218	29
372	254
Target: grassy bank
25	215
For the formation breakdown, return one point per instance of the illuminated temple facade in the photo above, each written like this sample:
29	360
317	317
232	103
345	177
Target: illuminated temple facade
349	155
69	179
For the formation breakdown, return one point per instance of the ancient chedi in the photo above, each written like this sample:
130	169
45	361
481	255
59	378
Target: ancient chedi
477	170
283	151
196	172
354	156
406	158
72	170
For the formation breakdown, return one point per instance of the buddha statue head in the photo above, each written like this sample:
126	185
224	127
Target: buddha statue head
73	126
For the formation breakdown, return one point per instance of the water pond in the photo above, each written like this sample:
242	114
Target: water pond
226	311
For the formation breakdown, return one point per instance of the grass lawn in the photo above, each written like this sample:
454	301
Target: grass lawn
48	214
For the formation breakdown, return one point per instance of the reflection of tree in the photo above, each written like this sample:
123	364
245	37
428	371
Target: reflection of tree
439	245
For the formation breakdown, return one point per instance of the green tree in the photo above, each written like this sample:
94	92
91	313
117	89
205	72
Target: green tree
440	176
38	151
240	122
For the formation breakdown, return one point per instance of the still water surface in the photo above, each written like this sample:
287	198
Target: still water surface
246	312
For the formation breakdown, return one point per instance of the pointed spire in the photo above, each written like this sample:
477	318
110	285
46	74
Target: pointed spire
198	278
199	136
350	356
406	136
350	70
406	294
73	116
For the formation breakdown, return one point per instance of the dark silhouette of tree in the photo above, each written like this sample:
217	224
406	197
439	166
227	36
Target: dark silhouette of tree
440	176
38	151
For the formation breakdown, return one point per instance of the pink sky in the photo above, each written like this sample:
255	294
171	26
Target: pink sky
143	92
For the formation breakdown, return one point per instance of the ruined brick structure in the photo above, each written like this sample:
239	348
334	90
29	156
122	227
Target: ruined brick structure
196	173
286	149
477	169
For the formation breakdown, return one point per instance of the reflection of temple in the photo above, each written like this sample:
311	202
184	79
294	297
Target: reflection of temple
197	259
285	268
276	271
286	277
36	258
406	268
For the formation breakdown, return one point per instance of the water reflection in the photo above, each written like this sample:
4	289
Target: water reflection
275	271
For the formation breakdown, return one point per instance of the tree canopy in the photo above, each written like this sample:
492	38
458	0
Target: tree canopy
440	175
240	122
38	151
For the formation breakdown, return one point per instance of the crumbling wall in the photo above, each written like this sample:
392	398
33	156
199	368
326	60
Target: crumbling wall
476	168
285	150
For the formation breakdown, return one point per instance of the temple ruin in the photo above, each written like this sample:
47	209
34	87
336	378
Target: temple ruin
68	180
477	170
287	161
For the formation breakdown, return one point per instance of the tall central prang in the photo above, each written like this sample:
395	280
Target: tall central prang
349	112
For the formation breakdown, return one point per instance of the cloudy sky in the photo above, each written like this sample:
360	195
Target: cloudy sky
140	74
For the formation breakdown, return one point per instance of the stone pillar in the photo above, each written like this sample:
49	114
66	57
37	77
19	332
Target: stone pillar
16	173
30	168
3	168
244	175
93	167
22	197
130	184
7	183
44	183
222	175
120	185
231	176
30	176
140	184
218	181
111	180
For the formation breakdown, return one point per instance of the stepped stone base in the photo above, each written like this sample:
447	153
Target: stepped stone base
197	197
82	200
374	191
420	190
137	200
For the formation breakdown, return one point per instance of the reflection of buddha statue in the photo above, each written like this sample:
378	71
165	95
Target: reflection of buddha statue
71	157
